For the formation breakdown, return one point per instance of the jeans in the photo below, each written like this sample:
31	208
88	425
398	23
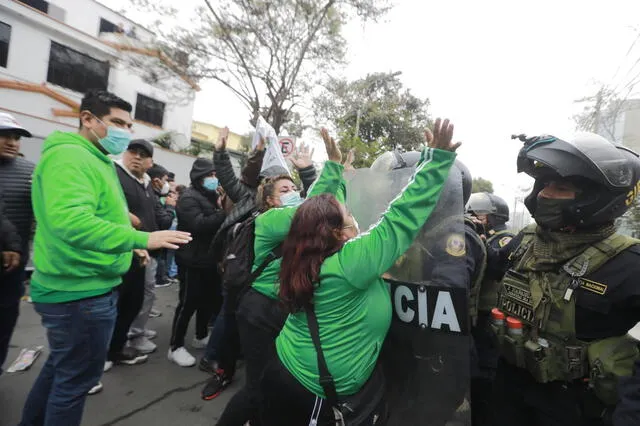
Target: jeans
78	333
140	323
260	320
172	266
217	333
11	290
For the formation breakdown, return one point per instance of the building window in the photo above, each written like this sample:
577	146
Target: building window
5	38
149	110
108	27
41	5
76	71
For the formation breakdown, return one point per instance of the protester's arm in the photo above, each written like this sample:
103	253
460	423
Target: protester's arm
71	210
164	214
9	238
251	171
368	256
192	218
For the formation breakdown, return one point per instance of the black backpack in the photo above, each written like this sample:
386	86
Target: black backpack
238	260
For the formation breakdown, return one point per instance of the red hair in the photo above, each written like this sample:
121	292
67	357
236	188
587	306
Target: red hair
315	234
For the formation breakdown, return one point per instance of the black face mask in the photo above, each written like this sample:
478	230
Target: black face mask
549	213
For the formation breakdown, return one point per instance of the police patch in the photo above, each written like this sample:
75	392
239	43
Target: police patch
593	286
504	241
455	245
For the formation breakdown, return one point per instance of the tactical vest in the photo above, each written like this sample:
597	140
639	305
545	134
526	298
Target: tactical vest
545	303
476	290
488	297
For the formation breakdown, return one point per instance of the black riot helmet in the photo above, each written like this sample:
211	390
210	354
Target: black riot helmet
606	175
394	160
494	207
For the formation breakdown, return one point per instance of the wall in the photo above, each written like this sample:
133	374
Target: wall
209	132
631	135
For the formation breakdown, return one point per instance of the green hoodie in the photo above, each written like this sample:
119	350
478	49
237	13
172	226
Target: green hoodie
84	239
352	302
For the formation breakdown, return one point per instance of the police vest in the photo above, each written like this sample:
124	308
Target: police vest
545	303
488	297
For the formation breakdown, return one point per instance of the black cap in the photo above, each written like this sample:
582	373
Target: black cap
201	167
157	171
142	143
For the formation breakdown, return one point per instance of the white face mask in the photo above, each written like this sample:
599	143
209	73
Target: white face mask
165	189
291	199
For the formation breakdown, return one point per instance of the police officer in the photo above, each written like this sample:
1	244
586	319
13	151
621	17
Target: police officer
570	293
490	213
449	254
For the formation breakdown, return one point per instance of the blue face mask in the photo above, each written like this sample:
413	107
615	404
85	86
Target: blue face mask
117	140
210	183
291	199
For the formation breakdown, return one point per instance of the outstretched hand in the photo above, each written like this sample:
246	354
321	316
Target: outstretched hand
441	136
302	157
333	152
348	163
221	143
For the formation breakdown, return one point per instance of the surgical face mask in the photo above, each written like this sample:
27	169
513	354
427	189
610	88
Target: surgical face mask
165	189
210	183
291	199
116	141
549	212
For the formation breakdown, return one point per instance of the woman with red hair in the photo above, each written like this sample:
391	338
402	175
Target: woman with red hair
340	281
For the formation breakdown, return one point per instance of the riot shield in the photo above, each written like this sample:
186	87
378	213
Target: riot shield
426	355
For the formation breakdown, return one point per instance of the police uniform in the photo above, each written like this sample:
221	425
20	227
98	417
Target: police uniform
570	293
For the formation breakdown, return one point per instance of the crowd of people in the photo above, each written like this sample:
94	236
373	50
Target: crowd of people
277	272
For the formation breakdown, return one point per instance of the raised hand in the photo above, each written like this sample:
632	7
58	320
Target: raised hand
348	163
333	152
261	144
221	143
302	157
441	136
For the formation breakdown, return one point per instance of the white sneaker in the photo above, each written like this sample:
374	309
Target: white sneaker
200	343
154	313
96	389
149	334
107	366
181	357
142	345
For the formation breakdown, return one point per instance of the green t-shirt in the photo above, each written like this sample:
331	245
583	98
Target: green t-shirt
352	302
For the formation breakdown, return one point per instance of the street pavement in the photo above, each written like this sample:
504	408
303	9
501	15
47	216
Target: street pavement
157	393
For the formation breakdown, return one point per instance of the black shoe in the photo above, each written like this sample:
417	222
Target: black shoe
215	386
207	366
128	356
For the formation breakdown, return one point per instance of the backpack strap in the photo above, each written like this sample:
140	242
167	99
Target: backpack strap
326	379
598	254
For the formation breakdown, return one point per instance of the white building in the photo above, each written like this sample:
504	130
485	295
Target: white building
52	51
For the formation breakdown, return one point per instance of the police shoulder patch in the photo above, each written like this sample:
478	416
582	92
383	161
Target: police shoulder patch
455	245
504	241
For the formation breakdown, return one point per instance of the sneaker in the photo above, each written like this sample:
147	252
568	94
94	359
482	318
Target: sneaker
107	366
181	357
163	284
215	386
96	389
200	343
154	313
207	366
142	345
149	334
129	356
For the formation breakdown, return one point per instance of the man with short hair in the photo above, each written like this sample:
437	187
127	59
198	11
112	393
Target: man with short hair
15	187
138	293
161	185
83	245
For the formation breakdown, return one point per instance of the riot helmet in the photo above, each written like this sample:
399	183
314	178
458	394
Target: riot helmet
605	173
467	181
394	160
494	207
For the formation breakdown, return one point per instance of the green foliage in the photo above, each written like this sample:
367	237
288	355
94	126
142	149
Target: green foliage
373	115
481	185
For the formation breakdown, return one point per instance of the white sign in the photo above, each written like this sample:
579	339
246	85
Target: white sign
273	155
287	145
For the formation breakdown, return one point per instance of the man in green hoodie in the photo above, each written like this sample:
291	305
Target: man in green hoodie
83	245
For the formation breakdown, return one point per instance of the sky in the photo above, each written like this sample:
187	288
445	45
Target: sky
494	68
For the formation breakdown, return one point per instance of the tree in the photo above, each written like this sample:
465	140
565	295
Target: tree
268	53
481	185
374	114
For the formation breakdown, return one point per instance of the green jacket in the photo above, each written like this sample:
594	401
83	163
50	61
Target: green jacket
352	302
84	239
273	226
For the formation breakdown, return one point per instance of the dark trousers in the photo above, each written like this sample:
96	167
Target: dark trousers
483	370
161	272
131	296
285	402
11	290
260	320
78	333
519	400
200	294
